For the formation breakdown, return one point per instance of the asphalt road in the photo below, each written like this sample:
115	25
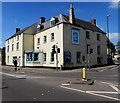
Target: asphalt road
48	86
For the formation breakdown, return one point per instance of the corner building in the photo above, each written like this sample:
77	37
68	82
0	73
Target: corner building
81	43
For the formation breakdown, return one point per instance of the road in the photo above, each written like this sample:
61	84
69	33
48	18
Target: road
53	86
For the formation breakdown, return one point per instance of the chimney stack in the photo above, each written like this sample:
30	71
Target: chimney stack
71	16
93	21
17	29
42	20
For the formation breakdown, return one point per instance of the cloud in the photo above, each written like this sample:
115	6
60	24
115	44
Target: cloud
15	21
114	36
114	4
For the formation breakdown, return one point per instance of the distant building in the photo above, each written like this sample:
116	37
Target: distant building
80	43
2	56
110	52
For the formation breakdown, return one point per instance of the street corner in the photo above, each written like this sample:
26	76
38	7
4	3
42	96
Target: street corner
99	88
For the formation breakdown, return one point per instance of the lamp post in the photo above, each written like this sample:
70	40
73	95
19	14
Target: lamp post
108	35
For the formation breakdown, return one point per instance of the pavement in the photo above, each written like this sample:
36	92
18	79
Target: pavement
48	70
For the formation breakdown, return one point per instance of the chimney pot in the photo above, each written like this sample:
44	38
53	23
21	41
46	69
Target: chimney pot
17	29
93	21
71	16
42	20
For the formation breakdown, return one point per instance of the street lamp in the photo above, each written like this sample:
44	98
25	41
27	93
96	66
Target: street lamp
108	38
108	30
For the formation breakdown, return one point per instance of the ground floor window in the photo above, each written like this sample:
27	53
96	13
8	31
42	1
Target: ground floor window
52	57
8	59
44	57
14	58
32	57
78	57
28	56
99	60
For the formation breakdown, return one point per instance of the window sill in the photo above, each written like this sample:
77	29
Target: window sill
32	61
51	62
44	62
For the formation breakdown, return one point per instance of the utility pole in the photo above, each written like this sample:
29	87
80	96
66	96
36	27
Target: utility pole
108	37
56	58
56	50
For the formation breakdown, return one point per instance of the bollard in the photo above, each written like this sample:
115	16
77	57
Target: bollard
84	73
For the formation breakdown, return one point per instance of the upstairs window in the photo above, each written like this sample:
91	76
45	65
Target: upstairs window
98	37
12	40
87	35
12	47
52	23
17	46
75	36
7	48
45	39
98	50
17	37
52	36
8	41
38	41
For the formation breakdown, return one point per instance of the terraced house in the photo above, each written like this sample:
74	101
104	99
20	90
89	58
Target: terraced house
80	43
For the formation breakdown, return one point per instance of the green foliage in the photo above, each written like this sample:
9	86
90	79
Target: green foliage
118	47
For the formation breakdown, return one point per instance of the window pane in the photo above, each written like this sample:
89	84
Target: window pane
36	56
52	57
78	57
44	57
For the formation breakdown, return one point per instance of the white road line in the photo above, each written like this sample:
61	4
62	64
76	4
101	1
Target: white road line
103	92
22	76
73	89
90	93
115	88
108	83
66	84
17	76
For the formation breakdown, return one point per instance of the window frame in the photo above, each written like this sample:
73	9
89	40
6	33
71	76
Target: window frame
38	39
45	40
44	58
98	37
78	56
32	57
17	46
52	57
87	35
52	37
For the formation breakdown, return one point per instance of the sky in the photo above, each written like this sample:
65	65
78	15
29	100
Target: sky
23	14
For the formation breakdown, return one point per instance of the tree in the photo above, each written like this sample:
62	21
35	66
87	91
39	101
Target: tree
118	47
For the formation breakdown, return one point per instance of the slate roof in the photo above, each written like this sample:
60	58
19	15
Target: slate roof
84	24
19	32
81	23
64	19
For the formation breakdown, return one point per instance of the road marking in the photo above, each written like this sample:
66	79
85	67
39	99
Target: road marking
17	76
108	83
22	76
73	89
115	88
88	92
103	92
66	84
